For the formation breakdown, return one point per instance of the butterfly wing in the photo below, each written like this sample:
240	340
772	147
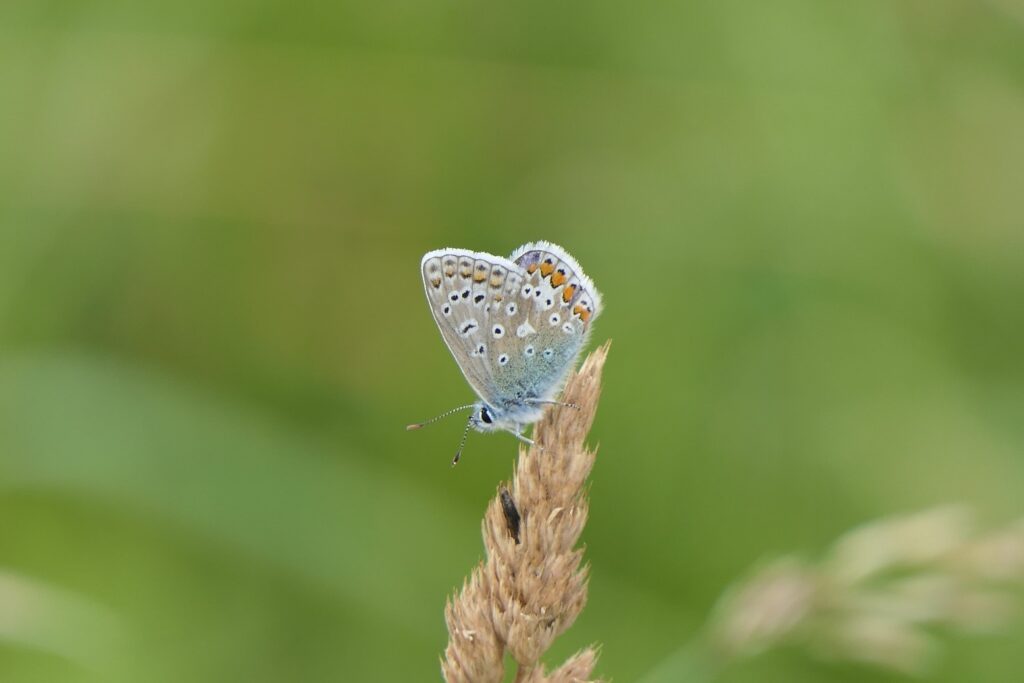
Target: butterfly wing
467	292
556	305
515	327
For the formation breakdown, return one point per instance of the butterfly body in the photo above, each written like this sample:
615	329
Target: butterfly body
512	416
514	326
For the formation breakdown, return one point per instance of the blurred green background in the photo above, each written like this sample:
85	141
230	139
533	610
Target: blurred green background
806	217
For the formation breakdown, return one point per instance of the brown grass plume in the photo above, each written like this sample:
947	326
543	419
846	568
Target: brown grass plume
530	589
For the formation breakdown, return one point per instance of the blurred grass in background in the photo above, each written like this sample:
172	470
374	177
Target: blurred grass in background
806	218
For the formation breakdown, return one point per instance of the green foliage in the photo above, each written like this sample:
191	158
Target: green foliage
804	216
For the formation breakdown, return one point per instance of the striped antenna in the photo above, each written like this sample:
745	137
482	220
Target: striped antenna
421	425
462	444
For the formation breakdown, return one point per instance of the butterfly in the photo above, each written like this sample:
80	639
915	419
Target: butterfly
515	327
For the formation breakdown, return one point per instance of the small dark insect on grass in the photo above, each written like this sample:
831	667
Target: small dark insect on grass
508	506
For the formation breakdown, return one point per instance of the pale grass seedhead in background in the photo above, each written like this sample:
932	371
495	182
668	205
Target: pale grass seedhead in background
527	593
879	593
49	619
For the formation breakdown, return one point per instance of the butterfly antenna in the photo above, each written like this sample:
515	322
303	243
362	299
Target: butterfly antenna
462	444
421	425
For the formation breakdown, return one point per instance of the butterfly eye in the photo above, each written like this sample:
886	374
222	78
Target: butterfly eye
485	416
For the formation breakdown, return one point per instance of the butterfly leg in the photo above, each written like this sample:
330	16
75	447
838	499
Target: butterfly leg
538	402
518	433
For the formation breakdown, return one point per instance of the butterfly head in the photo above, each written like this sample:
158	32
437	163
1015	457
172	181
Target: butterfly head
485	418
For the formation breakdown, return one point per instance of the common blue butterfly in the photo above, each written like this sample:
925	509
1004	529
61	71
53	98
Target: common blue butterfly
515	327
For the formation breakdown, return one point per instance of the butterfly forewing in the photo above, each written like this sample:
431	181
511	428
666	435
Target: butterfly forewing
467	292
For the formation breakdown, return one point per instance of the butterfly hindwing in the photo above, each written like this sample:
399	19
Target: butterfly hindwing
558	303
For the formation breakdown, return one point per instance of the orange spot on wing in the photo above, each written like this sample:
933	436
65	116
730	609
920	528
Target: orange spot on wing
568	292
557	279
436	282
532	268
583	313
479	276
546	268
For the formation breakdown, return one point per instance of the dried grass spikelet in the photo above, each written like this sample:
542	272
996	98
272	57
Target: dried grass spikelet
879	593
474	652
529	591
